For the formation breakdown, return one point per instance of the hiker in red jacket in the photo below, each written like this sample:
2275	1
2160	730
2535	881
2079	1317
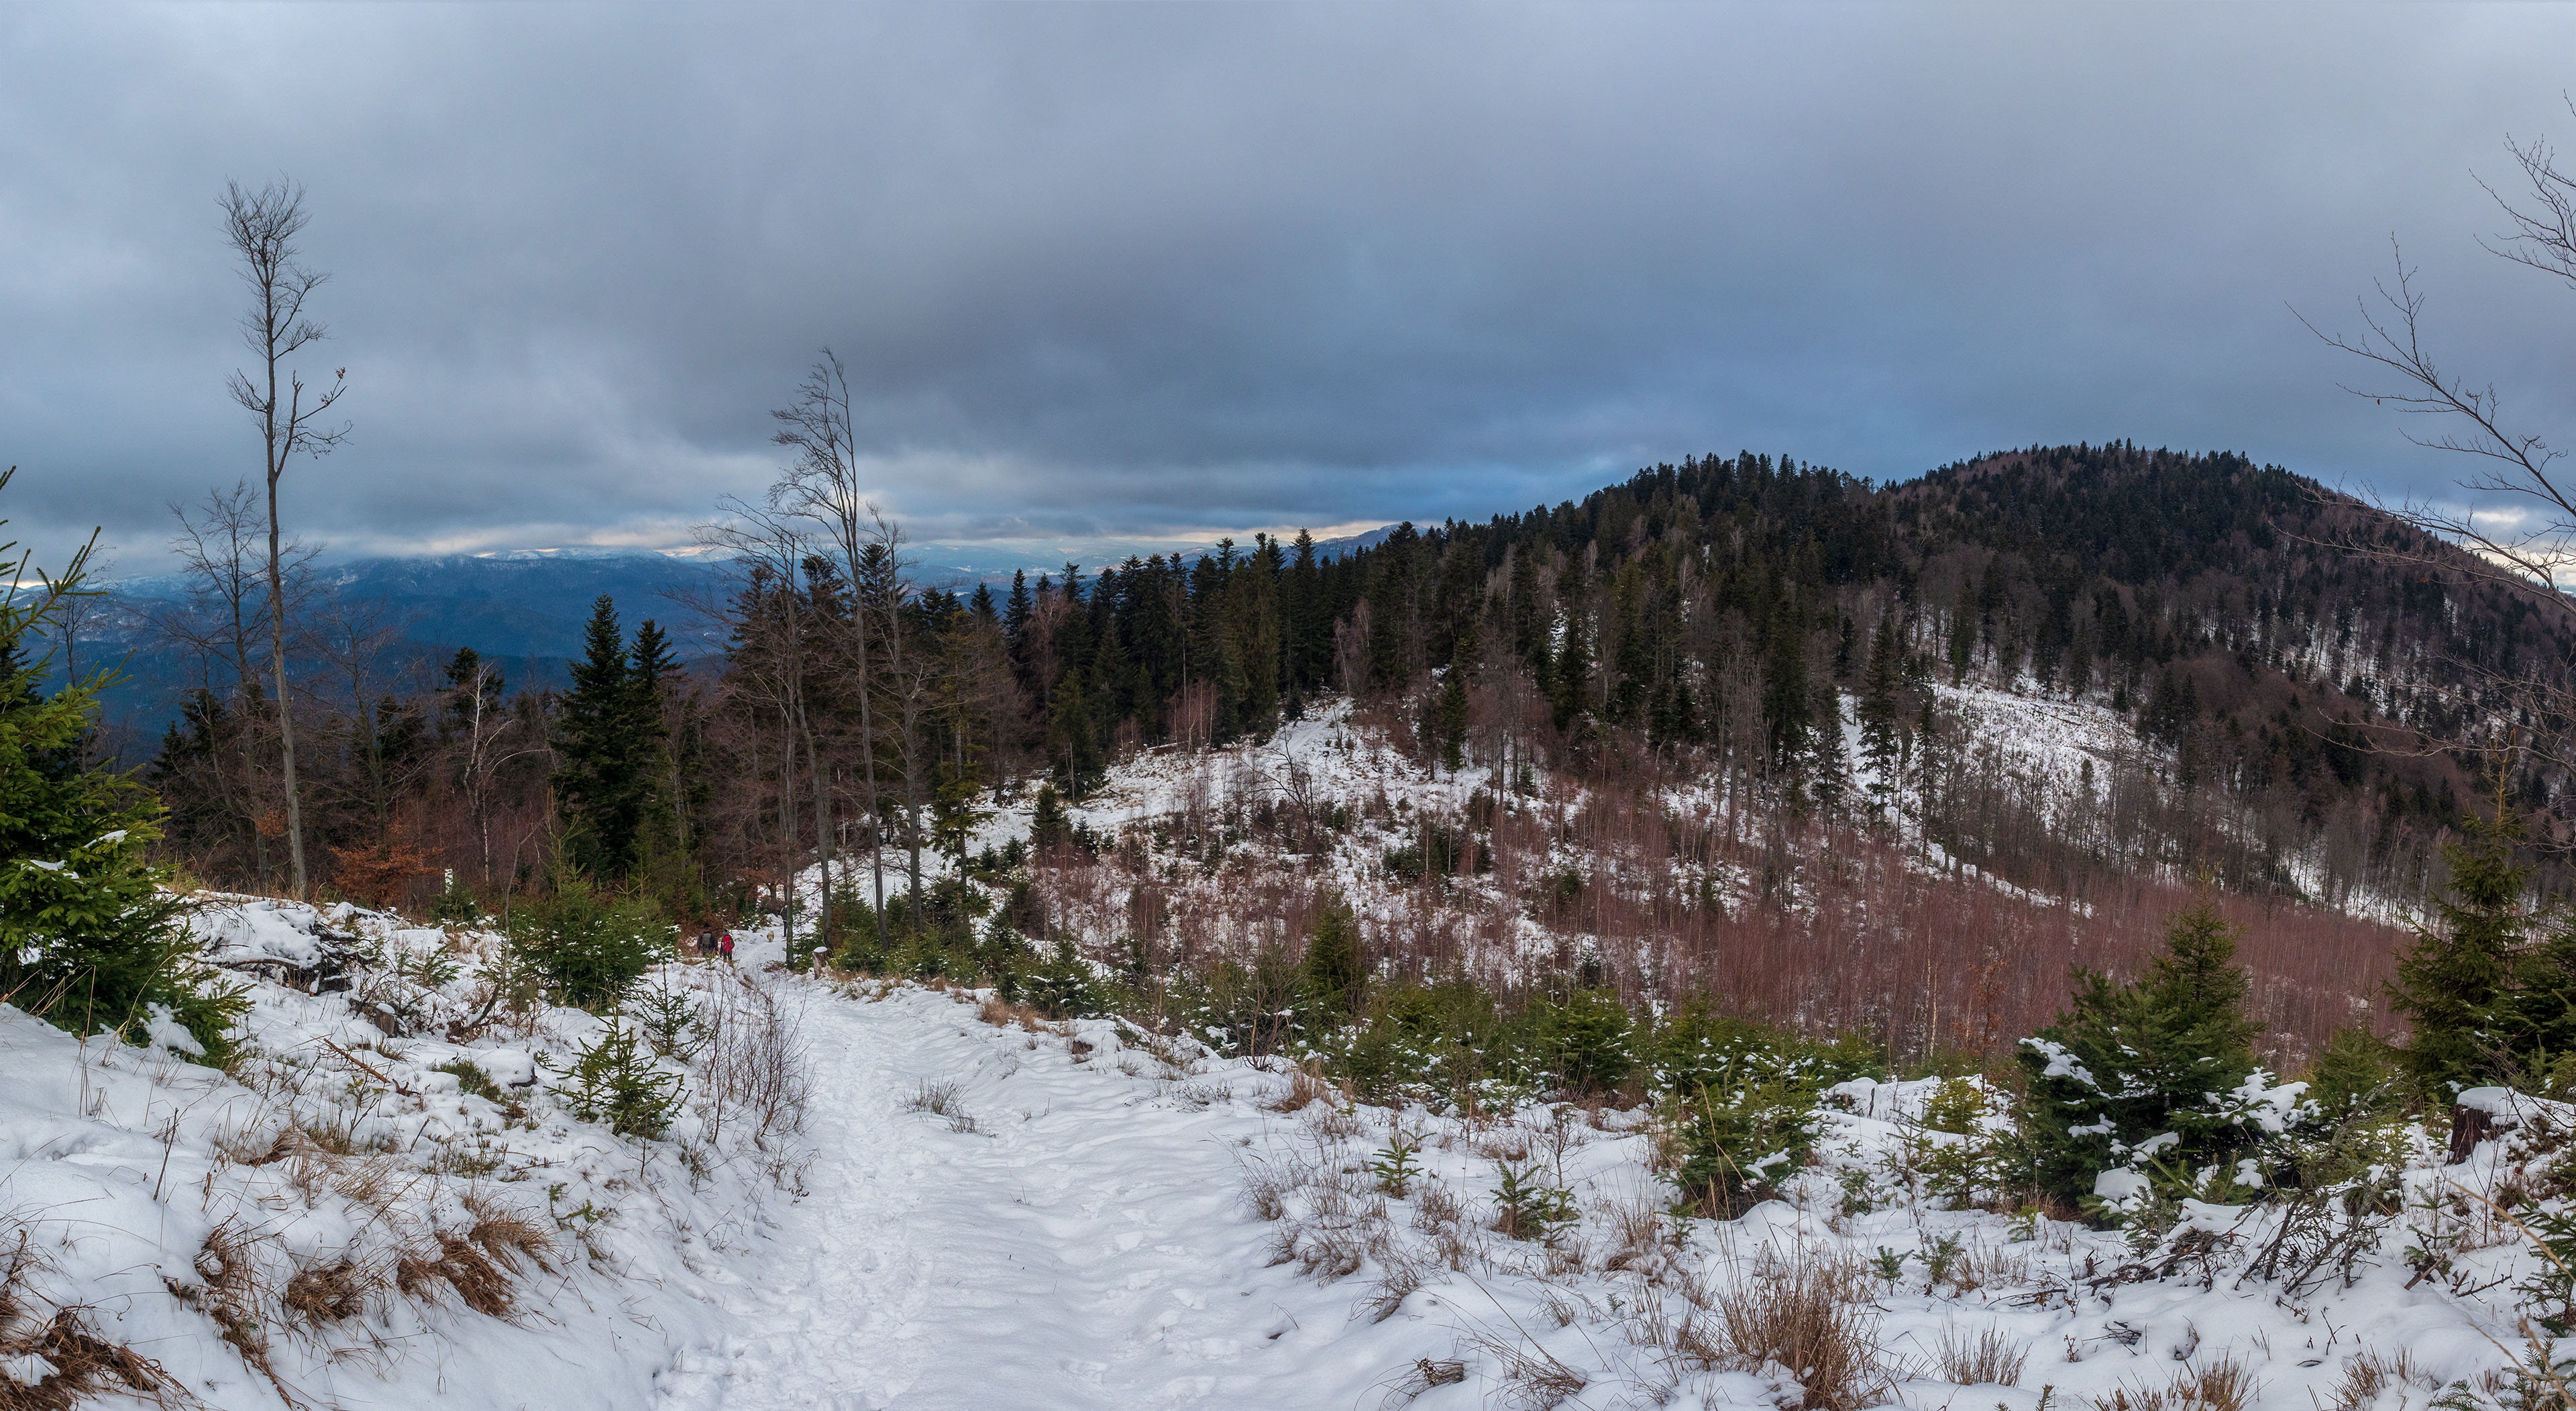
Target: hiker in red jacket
724	944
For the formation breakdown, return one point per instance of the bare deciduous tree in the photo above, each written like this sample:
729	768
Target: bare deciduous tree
220	624
773	660
822	486
2519	526
261	227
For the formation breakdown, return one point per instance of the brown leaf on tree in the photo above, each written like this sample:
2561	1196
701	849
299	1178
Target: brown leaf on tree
378	873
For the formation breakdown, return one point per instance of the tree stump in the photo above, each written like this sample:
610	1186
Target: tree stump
2469	1126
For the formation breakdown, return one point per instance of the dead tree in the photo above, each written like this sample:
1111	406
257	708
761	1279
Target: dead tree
220	623
261	227
822	486
775	627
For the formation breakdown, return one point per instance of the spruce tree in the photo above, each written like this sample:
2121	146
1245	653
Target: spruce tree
1529	624
2129	1063
1570	682
653	679
1335	973
1048	825
1963	634
2454	983
1453	701
1881	708
1306	623
1787	705
600	778
90	940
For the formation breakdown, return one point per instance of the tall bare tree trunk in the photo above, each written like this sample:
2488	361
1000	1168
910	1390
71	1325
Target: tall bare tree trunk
868	763
277	663
787	819
261	227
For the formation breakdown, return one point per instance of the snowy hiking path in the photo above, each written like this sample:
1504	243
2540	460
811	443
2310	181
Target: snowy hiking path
1084	1246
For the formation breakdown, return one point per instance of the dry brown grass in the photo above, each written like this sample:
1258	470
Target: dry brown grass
87	1367
330	1293
1002	1013
231	1293
1531	1377
257	1145
1989	1358
2367	1376
1637	1231
1810	1315
1306	1086
2220	1385
1435	1205
483	1265
1506	1141
1395	1282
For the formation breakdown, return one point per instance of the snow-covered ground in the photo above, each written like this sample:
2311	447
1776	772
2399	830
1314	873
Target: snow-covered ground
986	1210
1094	1225
1065	1234
351	1218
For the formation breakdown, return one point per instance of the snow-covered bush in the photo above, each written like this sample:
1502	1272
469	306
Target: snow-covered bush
90	937
2148	1080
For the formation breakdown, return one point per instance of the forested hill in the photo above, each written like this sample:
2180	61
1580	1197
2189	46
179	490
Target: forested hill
2224	607
1798	644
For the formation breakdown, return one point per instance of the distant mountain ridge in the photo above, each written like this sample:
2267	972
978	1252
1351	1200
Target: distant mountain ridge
526	608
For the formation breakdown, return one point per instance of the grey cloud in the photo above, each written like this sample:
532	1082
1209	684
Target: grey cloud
1163	270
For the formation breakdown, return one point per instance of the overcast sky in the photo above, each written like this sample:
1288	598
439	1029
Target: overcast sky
1175	269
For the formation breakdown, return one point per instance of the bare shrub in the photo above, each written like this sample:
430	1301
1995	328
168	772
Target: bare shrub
1990	1358
1806	1314
753	1069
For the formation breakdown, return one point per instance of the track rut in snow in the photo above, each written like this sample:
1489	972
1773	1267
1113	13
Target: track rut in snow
1060	1239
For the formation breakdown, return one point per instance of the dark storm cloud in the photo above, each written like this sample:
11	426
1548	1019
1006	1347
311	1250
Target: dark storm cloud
1158	270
